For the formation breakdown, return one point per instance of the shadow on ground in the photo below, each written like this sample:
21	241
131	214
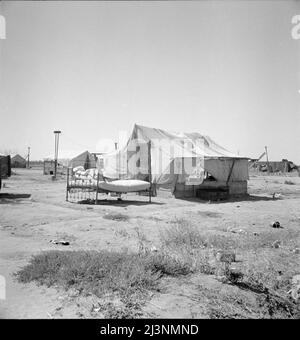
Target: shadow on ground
7	198
121	203
246	198
14	196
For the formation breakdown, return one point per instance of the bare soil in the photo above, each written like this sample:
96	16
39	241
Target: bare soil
33	211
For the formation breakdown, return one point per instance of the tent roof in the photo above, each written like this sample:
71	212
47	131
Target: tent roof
16	155
202	145
65	154
81	155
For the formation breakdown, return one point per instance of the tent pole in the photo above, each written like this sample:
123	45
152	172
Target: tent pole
67	193
149	169
182	168
268	166
230	172
96	201
182	172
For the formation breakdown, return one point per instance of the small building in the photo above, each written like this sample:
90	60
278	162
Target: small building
49	167
282	166
18	161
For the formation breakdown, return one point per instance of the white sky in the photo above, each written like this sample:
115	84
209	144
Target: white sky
227	69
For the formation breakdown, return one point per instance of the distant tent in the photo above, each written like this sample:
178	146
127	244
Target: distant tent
182	162
18	161
85	159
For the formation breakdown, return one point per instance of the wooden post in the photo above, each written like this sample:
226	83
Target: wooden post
96	201
182	167
28	161
149	170
67	193
230	172
268	165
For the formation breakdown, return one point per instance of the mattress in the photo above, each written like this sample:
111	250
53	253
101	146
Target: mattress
131	185
128	185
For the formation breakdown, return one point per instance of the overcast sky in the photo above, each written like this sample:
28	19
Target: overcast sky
227	69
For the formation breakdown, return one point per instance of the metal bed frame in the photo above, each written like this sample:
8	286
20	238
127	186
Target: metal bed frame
84	192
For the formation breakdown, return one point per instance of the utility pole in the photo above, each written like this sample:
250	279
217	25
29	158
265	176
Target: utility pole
28	157
56	134
268	166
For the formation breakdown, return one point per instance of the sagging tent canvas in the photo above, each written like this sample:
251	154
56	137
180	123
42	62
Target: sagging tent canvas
189	164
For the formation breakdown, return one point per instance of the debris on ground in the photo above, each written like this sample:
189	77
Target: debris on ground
63	242
234	275
276	244
236	230
276	224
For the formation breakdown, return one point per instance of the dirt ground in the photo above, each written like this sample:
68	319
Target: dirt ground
29	223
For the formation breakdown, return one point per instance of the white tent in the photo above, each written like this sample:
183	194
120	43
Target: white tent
183	162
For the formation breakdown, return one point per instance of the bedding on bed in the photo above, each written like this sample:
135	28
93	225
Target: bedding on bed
89	178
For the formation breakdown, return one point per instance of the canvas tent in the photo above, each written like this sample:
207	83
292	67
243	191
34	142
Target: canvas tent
85	159
185	163
67	158
18	161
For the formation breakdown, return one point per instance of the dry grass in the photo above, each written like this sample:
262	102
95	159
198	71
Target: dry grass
181	234
127	276
261	269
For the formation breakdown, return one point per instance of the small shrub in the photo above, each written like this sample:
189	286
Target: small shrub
182	233
222	242
184	242
289	182
116	217
168	265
